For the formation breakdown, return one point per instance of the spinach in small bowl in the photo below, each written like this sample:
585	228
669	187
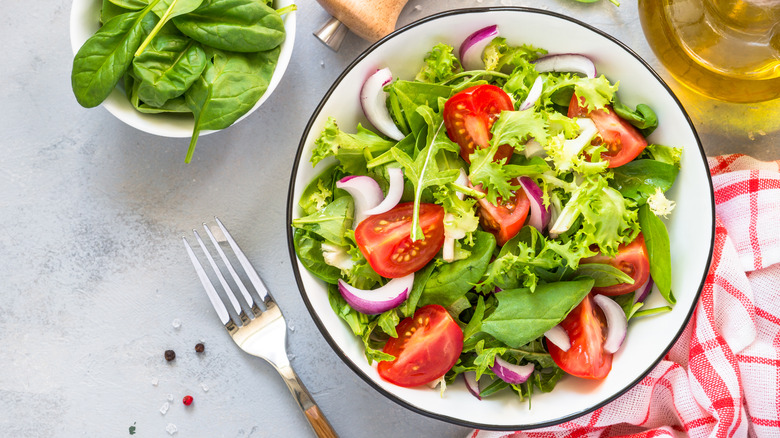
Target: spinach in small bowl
179	67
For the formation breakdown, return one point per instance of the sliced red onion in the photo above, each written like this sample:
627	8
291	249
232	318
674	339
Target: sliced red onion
448	249
374	302
558	336
533	94
372	100
566	62
471	383
617	325
643	291
510	373
534	149
365	192
540	215
472	47
394	193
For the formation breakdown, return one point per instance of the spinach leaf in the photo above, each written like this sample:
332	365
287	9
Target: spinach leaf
604	275
658	251
175	105
235	25
405	96
308	247
523	316
166	10
639	179
643	118
132	5
168	68
109	10
229	87
451	281
103	59
330	223
420	280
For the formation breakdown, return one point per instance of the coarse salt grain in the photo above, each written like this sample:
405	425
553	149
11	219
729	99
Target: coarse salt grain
164	408
155	381
204	387
170	397
171	428
176	323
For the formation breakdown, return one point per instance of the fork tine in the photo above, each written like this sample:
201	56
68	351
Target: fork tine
262	291
216	302
228	290
244	292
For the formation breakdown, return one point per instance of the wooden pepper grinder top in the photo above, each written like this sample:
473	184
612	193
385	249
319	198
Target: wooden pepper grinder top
368	19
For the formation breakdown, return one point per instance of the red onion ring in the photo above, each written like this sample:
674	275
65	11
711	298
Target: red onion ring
540	215
374	302
394	192
566	62
558	336
643	290
365	192
617	324
533	94
471	49
471	383
510	373
372	100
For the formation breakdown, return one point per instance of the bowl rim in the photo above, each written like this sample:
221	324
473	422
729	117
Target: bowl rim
291	203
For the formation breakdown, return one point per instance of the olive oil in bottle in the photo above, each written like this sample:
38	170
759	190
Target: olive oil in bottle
725	49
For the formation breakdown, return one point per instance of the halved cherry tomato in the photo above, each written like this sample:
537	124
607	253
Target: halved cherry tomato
631	259
622	140
428	345
469	115
586	357
507	218
386	242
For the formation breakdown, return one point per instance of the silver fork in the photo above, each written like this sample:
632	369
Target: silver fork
264	333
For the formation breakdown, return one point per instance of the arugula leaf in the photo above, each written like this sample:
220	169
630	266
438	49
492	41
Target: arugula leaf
658	251
406	96
423	171
640	179
523	316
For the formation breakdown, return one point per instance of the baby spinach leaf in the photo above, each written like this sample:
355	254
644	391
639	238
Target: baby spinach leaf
639	179
406	96
604	275
658	251
309	250
132	5
235	25
229	87
451	281
166	10
109	10
643	118
168	68
420	279
103	59
175	105
522	315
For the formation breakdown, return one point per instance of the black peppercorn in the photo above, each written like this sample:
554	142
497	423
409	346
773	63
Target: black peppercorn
170	355
199	347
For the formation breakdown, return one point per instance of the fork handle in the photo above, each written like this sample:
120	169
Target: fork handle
318	422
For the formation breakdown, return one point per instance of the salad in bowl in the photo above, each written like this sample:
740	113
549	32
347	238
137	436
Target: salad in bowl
489	225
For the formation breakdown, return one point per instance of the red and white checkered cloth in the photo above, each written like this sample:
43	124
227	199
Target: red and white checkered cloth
722	377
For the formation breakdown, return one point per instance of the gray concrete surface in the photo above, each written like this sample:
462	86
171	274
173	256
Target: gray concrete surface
93	272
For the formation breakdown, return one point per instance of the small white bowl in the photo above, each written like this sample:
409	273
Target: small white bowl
85	21
691	225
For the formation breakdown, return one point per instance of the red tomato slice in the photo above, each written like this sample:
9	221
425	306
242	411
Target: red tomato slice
586	357
622	140
507	218
631	259
427	346
385	239
469	115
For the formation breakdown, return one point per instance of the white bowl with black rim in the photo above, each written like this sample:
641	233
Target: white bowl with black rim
85	21
691	226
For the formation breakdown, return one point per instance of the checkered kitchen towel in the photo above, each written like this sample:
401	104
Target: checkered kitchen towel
722	377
